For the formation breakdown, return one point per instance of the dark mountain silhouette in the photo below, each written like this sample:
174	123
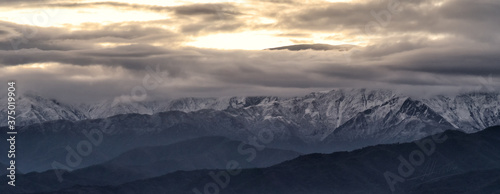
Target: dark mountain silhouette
147	162
481	181
431	165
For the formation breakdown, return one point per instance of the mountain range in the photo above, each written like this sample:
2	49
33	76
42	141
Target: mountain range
149	162
320	122
457	163
470	111
448	162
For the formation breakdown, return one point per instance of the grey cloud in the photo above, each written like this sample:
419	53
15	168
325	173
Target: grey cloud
83	4
205	72
21	2
31	37
204	9
208	28
188	10
278	1
403	54
474	20
457	61
192	18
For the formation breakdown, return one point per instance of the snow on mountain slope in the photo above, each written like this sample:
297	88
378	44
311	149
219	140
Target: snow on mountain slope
398	120
32	109
111	108
35	109
318	114
470	112
311	118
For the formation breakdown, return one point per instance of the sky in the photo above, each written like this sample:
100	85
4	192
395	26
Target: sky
90	50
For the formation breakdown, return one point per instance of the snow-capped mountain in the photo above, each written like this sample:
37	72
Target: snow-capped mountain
400	119
312	118
336	120
469	112
114	107
32	109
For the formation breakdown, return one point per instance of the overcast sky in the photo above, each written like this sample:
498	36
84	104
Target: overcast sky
93	50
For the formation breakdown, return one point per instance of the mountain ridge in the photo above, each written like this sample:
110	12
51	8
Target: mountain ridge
466	111
148	162
455	159
322	122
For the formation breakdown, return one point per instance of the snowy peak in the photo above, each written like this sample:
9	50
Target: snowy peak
400	119
470	111
31	109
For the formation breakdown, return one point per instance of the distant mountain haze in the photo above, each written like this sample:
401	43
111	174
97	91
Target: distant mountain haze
148	162
453	162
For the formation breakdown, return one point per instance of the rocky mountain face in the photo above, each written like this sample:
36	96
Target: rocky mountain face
469	112
33	109
323	122
318	114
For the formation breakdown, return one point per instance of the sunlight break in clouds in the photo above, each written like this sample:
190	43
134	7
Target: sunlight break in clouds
215	48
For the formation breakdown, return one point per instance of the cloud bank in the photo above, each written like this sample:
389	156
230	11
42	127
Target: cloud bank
416	45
